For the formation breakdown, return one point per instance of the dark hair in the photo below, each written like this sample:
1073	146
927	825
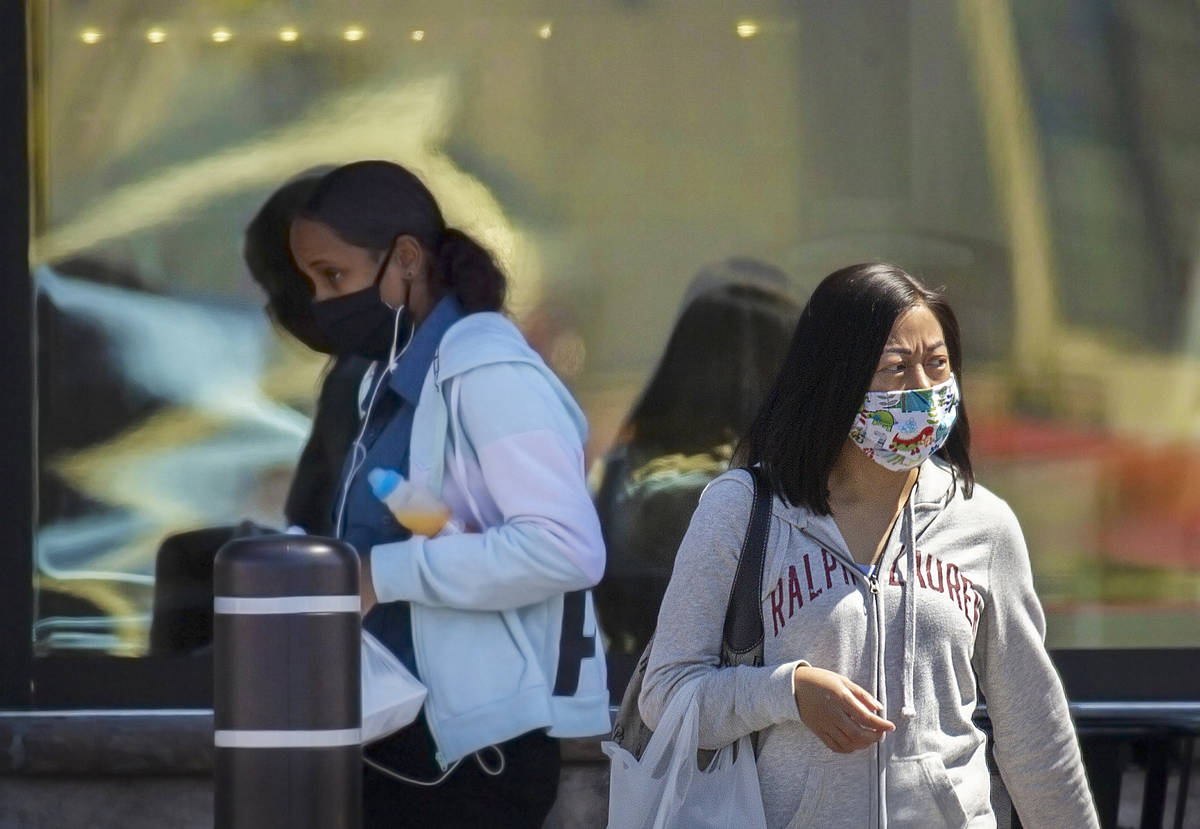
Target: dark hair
723	352
370	203
265	251
803	424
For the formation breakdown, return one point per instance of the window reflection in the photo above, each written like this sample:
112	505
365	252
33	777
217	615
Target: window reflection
151	418
725	348
607	154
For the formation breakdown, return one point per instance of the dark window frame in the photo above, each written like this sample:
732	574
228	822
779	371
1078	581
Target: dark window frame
1142	674
16	369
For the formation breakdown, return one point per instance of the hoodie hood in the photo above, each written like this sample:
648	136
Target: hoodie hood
487	338
936	487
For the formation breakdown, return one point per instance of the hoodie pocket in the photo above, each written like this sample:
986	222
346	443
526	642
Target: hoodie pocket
920	795
810	799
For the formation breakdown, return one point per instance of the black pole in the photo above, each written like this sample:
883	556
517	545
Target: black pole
286	702
16	368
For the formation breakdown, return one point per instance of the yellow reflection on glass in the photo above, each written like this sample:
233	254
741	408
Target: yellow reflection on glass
289	35
568	354
156	35
747	28
417	35
544	31
221	35
353	33
90	36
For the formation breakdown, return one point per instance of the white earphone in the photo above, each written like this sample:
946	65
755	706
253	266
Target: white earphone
358	453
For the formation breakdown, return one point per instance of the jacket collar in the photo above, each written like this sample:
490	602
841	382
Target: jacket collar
409	375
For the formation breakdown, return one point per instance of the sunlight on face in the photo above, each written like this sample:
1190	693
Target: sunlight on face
333	266
915	355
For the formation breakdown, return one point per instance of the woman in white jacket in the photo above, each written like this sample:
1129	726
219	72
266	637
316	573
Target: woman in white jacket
496	620
894	590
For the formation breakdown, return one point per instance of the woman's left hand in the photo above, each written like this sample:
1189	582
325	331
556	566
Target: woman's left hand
366	587
841	713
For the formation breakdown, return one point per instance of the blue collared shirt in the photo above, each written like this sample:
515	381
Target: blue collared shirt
392	414
408	377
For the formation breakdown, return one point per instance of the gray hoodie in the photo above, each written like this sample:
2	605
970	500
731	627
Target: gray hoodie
973	624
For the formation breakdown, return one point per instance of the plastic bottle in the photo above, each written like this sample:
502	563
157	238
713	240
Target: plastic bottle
411	505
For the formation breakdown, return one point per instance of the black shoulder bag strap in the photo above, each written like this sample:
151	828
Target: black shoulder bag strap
742	639
742	643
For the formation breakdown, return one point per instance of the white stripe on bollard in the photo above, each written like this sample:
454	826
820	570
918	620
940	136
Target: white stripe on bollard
286	604
332	738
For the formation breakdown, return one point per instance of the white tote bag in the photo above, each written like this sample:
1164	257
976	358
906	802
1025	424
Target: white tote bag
391	695
666	789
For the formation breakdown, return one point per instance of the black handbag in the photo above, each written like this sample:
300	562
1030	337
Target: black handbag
742	639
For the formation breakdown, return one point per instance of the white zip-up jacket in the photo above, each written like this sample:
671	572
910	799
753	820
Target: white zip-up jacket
499	439
924	636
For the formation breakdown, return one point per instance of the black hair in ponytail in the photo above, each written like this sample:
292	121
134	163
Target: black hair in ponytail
370	203
468	270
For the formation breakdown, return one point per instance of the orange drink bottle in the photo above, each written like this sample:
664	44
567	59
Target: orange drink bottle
411	505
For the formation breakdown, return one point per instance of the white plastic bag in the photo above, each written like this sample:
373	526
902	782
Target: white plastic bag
666	789
391	695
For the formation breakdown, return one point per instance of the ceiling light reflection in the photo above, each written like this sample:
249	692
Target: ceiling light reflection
747	28
156	35
90	36
221	35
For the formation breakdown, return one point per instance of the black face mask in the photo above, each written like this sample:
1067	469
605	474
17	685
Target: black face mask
300	324
360	323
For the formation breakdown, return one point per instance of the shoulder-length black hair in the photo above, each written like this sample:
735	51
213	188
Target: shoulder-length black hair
370	203
265	251
802	425
723	354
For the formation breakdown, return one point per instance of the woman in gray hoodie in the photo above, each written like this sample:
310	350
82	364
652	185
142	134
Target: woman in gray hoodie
895	590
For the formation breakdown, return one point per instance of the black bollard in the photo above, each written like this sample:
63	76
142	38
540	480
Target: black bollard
286	702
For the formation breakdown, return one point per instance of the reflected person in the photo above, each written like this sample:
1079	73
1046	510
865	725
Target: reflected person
896	590
495	620
724	350
309	503
181	620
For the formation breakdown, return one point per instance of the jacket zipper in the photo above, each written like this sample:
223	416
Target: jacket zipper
431	720
878	787
873	585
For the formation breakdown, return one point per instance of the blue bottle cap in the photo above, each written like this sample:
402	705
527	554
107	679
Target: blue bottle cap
383	481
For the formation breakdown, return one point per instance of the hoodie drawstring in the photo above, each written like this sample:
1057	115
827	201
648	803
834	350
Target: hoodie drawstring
910	611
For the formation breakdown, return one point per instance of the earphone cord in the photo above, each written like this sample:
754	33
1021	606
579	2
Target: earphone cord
358	454
496	772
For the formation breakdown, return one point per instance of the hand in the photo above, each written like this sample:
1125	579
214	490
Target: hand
366	588
839	712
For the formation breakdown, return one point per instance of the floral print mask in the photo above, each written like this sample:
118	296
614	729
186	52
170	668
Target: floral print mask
900	429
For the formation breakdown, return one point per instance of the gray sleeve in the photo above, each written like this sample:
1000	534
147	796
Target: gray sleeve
734	701
1034	737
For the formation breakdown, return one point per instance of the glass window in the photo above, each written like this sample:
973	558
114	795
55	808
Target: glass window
1038	162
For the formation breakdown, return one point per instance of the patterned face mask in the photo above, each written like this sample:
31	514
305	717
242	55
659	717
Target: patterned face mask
900	429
